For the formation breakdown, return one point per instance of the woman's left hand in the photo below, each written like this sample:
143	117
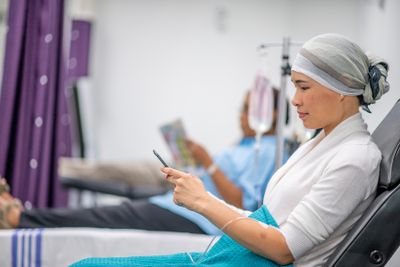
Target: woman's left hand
199	153
189	190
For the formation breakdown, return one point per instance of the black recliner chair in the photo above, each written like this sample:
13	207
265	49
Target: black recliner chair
376	236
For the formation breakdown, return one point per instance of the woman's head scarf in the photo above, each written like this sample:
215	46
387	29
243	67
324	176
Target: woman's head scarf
342	66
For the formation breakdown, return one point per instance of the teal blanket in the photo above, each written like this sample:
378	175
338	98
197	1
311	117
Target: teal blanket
226	252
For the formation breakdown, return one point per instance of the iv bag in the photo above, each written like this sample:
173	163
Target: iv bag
260	113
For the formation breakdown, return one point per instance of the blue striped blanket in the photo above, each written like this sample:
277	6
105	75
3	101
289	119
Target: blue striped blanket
26	248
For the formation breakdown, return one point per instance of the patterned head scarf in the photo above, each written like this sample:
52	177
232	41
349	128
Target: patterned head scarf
342	66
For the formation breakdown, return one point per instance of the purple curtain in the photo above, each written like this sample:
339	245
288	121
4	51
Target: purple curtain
78	64
34	120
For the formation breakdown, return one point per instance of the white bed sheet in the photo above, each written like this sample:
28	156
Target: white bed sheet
54	247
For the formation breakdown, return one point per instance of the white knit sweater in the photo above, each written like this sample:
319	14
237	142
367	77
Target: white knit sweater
323	189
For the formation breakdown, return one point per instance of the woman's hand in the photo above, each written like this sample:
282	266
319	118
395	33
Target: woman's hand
229	191
199	154
189	190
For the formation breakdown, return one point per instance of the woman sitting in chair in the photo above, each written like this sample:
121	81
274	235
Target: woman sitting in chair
324	187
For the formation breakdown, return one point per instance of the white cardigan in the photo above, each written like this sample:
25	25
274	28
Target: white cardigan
323	189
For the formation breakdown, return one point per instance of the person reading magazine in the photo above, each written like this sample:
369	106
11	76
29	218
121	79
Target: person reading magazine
229	175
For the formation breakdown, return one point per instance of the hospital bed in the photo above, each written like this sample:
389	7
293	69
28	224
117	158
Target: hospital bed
53	247
371	242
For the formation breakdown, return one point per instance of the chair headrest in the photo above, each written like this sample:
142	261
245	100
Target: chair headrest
387	138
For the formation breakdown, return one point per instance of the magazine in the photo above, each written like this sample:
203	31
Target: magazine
174	135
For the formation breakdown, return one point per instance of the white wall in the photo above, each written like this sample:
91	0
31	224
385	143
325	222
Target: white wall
381	35
157	60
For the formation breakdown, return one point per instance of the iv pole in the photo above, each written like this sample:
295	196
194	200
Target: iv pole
285	71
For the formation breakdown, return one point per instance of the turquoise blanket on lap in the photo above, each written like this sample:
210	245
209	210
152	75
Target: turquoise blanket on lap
225	252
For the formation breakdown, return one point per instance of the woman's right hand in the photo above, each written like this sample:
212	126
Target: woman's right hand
189	190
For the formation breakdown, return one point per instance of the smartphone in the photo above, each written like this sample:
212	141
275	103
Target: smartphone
160	158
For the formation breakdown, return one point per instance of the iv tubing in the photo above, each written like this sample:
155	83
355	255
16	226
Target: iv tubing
212	240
